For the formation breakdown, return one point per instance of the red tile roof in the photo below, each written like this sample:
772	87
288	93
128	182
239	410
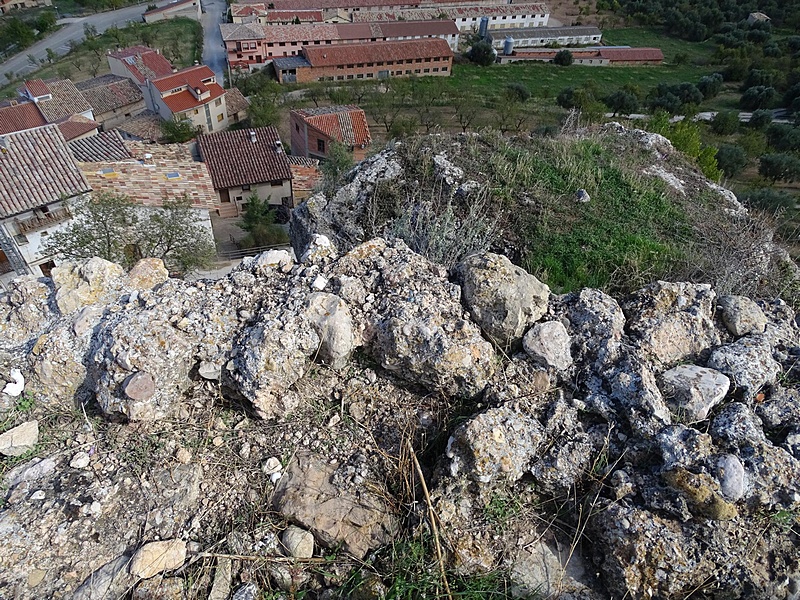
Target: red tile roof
66	101
185	100
20	117
235	102
190	76
143	63
344	54
110	92
345	124
37	87
279	16
37	168
309	32
76	126
233	159
450	12
632	54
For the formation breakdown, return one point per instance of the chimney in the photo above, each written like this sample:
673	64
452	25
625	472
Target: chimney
279	147
252	136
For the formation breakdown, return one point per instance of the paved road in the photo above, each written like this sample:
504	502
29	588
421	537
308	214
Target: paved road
213	49
73	30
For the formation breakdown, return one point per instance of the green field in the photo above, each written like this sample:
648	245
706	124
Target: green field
701	53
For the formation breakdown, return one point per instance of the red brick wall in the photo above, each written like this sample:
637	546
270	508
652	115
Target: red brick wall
442	67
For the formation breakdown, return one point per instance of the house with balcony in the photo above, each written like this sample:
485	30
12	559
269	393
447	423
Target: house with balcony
467	18
254	46
139	63
245	162
38	178
315	129
191	94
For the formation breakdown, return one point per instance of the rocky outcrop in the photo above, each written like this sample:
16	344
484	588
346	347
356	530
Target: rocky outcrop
276	415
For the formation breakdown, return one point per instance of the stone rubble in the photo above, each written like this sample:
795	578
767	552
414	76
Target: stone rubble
664	427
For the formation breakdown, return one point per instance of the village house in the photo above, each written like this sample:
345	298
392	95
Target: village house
315	129
467	18
38	176
306	176
353	6
544	36
246	162
374	60
191	94
262	14
253	45
20	116
177	8
113	99
596	57
105	146
139	64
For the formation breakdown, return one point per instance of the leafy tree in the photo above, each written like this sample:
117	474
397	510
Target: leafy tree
757	77
757	97
791	99
175	132
338	162
725	122
17	32
769	199
779	167
760	119
622	101
517	92
482	53
45	22
259	221
784	138
98	228
172	232
731	159
563	58
51	55
111	226
263	111
710	85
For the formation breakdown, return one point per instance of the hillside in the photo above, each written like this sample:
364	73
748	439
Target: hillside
359	421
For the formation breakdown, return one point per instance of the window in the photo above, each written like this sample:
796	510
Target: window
172	175
321	146
276	183
369	75
339	77
220	117
435	69
245	188
426	70
444	69
360	76
296	126
350	76
218	102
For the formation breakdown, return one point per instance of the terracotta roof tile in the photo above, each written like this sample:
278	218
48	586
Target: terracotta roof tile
626	54
190	76
37	87
144	126
37	168
234	159
308	32
185	100
449	12
143	63
305	175
345	124
110	92
235	101
105	146
19	117
66	101
273	16
76	126
148	181
376	51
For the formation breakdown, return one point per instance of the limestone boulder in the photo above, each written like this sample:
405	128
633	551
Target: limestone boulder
147	274
330	318
692	391
741	315
548	344
748	363
503	299
79	283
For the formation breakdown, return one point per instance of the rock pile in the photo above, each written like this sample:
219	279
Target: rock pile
663	427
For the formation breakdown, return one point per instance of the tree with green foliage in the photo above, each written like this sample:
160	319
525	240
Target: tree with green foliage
17	32
769	199
482	53
779	167
338	162
784	137
45	22
760	119
113	227
258	221
622	101
756	97
563	58
731	159
710	85
177	132
725	122
517	92
263	111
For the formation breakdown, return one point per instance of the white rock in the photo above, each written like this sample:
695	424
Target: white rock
209	370
80	460
731	476
15	388
20	439
299	543
157	557
319	283
273	259
549	344
271	465
692	391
